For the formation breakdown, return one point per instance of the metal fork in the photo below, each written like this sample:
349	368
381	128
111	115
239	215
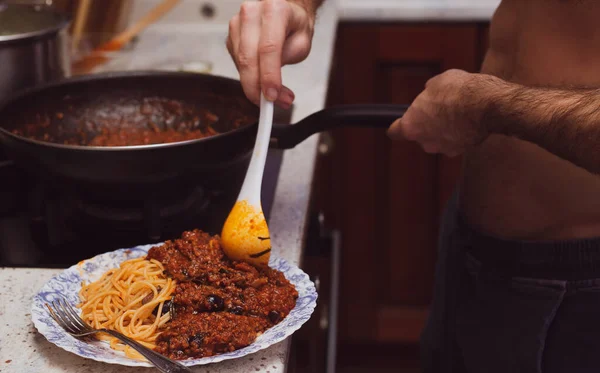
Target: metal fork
64	314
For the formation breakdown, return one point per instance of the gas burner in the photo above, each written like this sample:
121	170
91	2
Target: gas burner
72	228
147	215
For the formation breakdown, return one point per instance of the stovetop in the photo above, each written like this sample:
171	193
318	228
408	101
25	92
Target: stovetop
41	227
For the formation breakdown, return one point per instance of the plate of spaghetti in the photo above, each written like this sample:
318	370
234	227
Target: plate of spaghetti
183	298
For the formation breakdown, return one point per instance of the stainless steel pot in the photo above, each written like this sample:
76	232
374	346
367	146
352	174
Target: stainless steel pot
34	47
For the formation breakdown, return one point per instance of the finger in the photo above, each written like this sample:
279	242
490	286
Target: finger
247	55
275	17
394	128
398	130
233	37
229	45
298	44
286	98
295	49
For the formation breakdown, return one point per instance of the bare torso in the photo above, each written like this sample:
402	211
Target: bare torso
515	189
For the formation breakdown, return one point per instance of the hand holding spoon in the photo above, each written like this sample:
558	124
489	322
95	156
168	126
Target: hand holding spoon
245	235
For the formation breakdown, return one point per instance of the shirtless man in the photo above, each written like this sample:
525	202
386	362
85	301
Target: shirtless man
518	278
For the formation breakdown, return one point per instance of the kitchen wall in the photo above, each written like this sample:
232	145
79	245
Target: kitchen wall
195	11
190	11
416	3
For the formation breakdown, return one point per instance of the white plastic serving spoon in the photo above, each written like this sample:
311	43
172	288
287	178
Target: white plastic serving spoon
245	235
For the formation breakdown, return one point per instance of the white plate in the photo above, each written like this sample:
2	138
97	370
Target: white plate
68	284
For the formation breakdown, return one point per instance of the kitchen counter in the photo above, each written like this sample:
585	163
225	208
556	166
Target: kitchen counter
356	10
416	10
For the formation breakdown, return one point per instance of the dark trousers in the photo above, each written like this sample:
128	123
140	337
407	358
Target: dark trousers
505	306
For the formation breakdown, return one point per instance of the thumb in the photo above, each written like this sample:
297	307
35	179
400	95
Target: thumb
396	130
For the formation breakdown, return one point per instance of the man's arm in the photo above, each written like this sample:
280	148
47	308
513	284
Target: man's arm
564	122
458	110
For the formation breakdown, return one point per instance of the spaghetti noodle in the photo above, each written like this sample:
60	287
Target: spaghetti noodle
130	299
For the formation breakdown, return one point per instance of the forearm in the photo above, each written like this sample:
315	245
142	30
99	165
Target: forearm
564	122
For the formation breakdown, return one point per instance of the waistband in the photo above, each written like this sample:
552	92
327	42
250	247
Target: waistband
577	259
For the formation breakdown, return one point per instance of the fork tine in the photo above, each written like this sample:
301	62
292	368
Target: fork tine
65	312
57	316
75	317
54	316
65	319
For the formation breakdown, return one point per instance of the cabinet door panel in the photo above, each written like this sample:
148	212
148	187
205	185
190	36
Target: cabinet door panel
410	212
386	196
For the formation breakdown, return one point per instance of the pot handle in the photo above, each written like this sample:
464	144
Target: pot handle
284	136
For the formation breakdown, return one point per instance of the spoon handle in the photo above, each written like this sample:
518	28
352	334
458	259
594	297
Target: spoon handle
253	182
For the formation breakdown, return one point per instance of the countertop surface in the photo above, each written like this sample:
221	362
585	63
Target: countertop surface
416	10
188	11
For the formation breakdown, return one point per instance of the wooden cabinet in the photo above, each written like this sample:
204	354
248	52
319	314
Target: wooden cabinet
386	197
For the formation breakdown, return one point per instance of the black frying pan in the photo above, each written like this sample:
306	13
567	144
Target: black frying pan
76	109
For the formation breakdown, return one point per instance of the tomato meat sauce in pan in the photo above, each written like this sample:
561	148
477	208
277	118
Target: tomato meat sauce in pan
151	120
133	136
219	305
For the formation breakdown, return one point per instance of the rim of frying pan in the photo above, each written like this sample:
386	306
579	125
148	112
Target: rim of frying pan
116	75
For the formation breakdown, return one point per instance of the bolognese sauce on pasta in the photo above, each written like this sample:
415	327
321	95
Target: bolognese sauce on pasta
187	299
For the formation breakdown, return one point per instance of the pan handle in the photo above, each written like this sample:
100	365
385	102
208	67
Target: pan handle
365	115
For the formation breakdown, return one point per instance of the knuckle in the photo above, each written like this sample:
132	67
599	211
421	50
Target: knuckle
270	78
454	74
447	73
248	10
268	47
274	3
276	7
243	61
431	81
